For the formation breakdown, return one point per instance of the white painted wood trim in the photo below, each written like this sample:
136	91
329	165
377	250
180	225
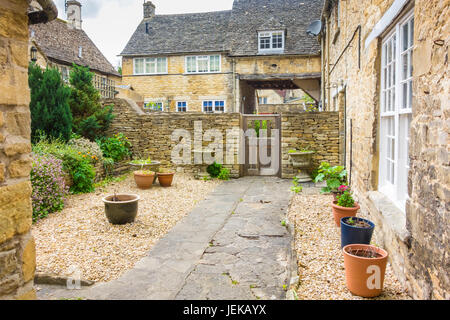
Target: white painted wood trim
386	20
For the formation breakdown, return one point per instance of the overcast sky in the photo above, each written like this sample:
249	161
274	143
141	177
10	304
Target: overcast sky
110	23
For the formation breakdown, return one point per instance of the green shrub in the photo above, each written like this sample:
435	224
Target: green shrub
49	186
334	176
224	174
49	108
86	147
75	163
214	169
90	118
346	200
116	147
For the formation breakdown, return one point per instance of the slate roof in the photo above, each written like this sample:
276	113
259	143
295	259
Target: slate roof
58	42
234	31
180	33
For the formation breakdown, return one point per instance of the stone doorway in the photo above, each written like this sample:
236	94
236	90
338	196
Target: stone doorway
262	145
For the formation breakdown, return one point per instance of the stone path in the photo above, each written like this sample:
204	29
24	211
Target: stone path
231	246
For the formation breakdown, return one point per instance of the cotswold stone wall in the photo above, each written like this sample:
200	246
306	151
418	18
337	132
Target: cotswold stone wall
17	249
318	131
150	134
418	239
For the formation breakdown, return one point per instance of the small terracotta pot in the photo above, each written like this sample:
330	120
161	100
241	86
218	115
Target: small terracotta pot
365	276
343	212
144	181
166	179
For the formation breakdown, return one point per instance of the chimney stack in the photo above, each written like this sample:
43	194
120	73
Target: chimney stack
74	14
149	10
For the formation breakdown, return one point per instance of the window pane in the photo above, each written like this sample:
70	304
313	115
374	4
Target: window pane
162	65
277	41
264	43
191	64
410	94
411	33
405	34
404	66
139	66
150	65
202	64
214	63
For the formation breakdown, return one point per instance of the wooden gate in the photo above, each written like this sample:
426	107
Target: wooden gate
262	145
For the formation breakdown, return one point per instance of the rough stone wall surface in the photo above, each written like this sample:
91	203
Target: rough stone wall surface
150	134
317	131
17	249
418	242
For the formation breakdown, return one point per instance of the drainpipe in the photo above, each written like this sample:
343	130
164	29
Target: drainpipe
48	13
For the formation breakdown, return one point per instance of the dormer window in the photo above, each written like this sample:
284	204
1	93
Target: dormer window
271	41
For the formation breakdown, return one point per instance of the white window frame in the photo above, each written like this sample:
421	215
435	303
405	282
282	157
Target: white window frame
146	61
271	49
187	106
156	101
202	58
263	100
214	106
396	190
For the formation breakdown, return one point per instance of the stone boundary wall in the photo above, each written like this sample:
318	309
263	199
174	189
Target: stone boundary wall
319	131
150	134
17	247
283	108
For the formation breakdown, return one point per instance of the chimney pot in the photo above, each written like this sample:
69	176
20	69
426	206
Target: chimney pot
74	14
149	10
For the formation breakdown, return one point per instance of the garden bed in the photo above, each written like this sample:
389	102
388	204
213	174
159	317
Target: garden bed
319	254
80	236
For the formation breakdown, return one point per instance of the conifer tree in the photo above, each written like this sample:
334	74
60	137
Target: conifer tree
49	107
90	118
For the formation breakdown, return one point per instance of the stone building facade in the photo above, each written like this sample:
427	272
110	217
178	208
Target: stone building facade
215	61
385	69
17	248
61	43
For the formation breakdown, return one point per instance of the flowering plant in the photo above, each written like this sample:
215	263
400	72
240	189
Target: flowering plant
343	188
49	187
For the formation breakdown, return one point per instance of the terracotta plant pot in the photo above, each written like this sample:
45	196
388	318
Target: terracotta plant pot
166	179
144	179
365	272
121	208
342	212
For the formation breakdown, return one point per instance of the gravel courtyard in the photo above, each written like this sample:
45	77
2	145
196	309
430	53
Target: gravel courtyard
81	237
320	260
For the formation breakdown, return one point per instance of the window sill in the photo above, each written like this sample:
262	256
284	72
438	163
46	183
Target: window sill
391	214
269	52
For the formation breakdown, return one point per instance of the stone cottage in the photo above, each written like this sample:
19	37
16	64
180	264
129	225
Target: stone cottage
17	248
385	69
62	43
215	62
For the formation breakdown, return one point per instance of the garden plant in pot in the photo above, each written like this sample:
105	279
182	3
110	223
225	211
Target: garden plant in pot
356	230
345	206
165	177
121	208
365	267
144	178
335	177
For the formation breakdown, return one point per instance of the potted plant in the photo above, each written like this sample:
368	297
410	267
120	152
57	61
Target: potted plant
365	267
165	177
345	206
144	178
121	208
356	230
335	177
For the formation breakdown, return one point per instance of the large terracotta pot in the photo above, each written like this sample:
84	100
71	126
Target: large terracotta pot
342	212
364	275
166	179
121	208
144	180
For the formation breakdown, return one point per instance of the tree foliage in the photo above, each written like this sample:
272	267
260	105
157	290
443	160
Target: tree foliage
90	118
50	111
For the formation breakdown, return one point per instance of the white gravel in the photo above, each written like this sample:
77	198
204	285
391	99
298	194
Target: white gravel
320	260
81	238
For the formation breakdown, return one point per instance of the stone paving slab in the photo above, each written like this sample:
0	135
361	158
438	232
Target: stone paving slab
231	246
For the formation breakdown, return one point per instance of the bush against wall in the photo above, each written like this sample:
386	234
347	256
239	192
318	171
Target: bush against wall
90	118
49	187
78	165
50	111
86	147
116	147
